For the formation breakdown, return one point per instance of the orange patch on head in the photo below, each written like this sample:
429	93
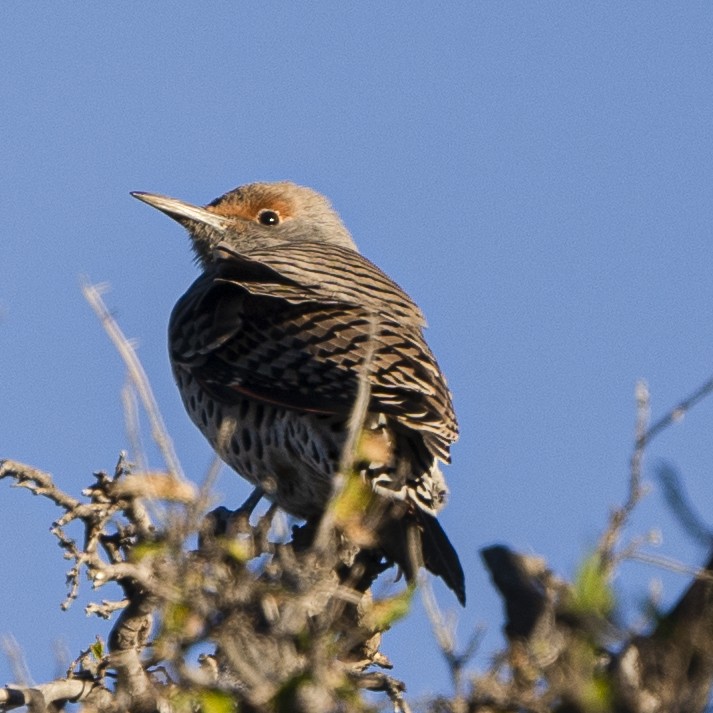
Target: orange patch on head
248	201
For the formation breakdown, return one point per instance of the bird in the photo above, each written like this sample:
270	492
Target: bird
269	346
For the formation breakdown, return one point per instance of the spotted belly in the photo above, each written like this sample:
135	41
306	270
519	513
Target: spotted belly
291	455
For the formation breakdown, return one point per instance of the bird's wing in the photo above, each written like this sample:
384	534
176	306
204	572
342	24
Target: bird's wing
297	338
336	273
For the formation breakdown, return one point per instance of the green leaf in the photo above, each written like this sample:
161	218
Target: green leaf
212	701
240	550
353	500
591	591
147	549
97	649
384	612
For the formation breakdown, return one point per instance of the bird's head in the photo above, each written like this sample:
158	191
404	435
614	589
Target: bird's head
256	215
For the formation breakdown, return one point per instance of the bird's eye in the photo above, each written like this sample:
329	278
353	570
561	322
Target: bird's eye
268	217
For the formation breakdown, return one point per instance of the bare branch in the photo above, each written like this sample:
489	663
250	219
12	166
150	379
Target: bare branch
54	693
444	629
354	429
16	659
39	483
138	376
677	412
620	515
672	565
133	430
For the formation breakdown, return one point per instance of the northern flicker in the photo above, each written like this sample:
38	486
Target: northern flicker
272	339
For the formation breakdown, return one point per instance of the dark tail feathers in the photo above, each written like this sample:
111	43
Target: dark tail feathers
439	555
429	547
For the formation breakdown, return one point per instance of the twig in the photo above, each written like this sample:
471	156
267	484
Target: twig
444	631
671	565
356	422
16	659
39	483
674	493
620	516
72	689
361	403
677	413
127	352
106	608
644	435
200	504
133	429
378	681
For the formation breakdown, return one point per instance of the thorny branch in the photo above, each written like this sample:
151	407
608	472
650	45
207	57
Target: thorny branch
565	650
644	434
176	598
288	629
291	623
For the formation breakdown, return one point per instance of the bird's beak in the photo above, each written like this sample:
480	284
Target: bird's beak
184	213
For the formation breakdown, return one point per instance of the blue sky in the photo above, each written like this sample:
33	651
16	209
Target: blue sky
537	176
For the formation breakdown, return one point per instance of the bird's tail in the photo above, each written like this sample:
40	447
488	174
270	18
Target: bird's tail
418	540
439	555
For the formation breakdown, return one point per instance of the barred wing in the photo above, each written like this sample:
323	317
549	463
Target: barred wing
292	327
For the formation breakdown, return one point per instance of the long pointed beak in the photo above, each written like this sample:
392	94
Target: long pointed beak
180	210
